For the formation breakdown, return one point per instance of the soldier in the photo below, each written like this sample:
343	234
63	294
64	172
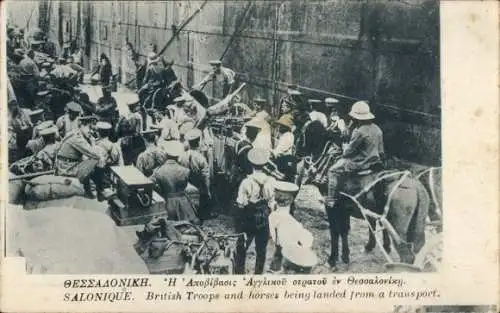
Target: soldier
169	128
36	117
128	130
199	172
170	181
47	155
244	167
291	100
20	128
194	110
316	114
155	73
337	126
109	152
222	78
365	150
70	159
283	153
107	108
29	76
68	122
37	143
153	156
260	109
255	198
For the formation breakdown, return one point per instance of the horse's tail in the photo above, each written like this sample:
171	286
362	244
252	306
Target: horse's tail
416	228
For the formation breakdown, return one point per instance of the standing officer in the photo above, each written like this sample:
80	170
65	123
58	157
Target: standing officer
109	152
255	198
107	108
222	78
243	166
70	159
29	76
128	130
171	180
152	157
199	172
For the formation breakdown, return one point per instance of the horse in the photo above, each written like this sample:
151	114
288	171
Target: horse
431	178
407	208
400	198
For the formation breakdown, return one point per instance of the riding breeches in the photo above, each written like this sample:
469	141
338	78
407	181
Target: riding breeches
335	174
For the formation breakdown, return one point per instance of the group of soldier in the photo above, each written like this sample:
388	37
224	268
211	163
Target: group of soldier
178	148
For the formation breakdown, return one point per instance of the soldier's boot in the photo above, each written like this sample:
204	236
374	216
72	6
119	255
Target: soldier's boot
88	189
98	178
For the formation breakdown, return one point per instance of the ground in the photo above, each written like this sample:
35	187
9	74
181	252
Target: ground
310	212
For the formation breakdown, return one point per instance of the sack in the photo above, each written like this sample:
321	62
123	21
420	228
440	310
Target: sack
49	187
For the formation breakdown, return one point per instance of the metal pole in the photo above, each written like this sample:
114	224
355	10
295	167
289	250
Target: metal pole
275	59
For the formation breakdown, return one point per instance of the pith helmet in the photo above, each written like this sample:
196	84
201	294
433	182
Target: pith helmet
361	111
258	156
285	120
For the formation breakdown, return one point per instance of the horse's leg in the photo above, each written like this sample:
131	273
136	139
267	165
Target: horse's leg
334	238
387	241
345	247
371	236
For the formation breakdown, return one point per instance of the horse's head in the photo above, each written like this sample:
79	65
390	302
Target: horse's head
314	138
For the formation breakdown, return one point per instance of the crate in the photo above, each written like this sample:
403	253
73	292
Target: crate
124	216
132	188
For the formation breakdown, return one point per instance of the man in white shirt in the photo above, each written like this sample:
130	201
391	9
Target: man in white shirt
337	125
283	153
263	139
316	114
255	198
284	144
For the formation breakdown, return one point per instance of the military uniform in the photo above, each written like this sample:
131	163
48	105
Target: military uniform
199	172
128	130
171	180
107	109
364	151
70	157
37	143
29	76
155	72
109	152
67	125
223	80
47	155
255	197
284	150
21	129
152	157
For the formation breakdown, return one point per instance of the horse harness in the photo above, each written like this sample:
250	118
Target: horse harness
381	219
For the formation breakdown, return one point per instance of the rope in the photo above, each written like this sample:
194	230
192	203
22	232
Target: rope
384	223
389	198
363	212
431	171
